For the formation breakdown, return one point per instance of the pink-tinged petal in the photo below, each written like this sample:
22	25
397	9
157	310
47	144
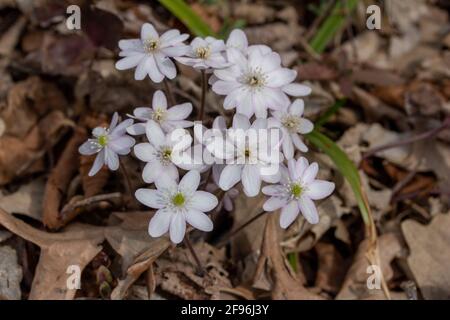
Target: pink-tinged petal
98	163
130	61
280	77
150	197
160	223
199	220
180	111
190	181
251	180
159	100
305	126
274	203
177	228
319	189
308	209
154	133
288	214
310	173
203	201
148	32
230	175
122	145
145	152
298	143
297	107
297	90
136	129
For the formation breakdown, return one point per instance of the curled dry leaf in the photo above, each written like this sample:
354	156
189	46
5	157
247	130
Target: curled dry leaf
59	181
77	245
285	284
355	285
429	255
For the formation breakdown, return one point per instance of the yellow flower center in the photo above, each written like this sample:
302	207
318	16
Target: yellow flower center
296	190
151	45
178	199
158	115
103	140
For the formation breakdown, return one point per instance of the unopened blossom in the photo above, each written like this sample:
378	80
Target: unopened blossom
292	125
296	192
256	82
207	53
178	204
168	118
162	152
247	159
151	54
108	144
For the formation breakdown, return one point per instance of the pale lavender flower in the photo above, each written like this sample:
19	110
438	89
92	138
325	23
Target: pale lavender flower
292	124
297	189
168	118
178	204
151	53
108	144
208	53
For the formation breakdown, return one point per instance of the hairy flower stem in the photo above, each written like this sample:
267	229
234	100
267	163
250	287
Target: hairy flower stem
188	244
169	92
204	90
127	178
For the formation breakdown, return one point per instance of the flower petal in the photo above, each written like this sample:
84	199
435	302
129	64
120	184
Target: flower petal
166	182
154	133
203	201
297	107
122	145
180	111
150	197
199	220
136	129
241	122
145	152
160	223
274	203
98	163
159	100
276	190
89	147
280	77
166	66
130	61
177	228
288	146
148	32
310	173
237	39
319	189
190	181
112	159
308	209
288	214
225	87
251	180
152	171
152	69
305	126
297	90
298	142
230	175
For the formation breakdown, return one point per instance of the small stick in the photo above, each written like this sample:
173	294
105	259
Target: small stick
204	89
240	228
127	178
169	92
421	136
188	244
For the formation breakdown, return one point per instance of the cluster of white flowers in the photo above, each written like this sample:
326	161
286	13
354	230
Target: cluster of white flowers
254	83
